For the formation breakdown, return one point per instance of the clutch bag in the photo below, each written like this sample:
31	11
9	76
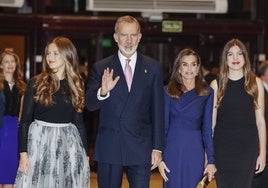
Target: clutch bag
204	183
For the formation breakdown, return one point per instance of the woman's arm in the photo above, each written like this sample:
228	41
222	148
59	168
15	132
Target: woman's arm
21	106
210	167
80	124
214	86
26	116
261	126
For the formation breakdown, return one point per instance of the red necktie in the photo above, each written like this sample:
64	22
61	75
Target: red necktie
128	74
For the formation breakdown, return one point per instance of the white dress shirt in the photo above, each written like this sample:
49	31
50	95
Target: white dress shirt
122	59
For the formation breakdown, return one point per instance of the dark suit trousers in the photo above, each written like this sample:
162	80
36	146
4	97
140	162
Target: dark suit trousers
110	175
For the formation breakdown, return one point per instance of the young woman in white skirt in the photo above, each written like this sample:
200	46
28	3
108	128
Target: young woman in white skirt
52	138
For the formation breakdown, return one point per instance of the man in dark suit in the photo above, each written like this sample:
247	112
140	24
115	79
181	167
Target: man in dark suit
261	179
127	88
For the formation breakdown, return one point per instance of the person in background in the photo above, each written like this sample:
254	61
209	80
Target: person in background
131	124
206	71
83	68
52	138
188	124
261	180
13	91
238	119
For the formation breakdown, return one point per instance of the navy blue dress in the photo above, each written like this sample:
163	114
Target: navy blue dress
9	157
188	127
2	107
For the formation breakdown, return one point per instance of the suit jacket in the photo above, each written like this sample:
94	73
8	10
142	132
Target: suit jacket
131	124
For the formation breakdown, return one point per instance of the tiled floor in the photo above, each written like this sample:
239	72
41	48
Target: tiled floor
156	181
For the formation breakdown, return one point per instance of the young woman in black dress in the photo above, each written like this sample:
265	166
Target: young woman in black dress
240	130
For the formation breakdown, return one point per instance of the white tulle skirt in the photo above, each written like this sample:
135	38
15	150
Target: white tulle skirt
57	157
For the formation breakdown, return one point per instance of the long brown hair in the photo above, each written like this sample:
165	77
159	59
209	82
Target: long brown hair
18	74
250	84
47	82
176	86
2	78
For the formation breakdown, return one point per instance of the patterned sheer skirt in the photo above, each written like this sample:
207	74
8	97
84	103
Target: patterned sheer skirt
57	157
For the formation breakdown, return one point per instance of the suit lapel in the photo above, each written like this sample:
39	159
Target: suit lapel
138	77
121	86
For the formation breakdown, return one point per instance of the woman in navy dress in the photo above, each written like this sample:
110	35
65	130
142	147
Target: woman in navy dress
13	90
188	125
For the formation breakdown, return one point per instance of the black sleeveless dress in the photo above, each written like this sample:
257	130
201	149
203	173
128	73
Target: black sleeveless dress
236	138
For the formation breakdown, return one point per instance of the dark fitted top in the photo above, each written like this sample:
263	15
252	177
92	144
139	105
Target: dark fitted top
12	100
60	112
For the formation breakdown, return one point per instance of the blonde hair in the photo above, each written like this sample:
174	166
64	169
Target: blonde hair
2	78
18	74
47	83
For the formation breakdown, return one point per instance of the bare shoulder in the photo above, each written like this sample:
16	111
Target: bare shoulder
214	85
260	86
258	80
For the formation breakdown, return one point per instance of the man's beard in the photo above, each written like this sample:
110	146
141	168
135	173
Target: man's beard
127	51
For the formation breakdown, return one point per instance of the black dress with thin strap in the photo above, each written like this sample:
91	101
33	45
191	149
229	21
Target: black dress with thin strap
236	138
